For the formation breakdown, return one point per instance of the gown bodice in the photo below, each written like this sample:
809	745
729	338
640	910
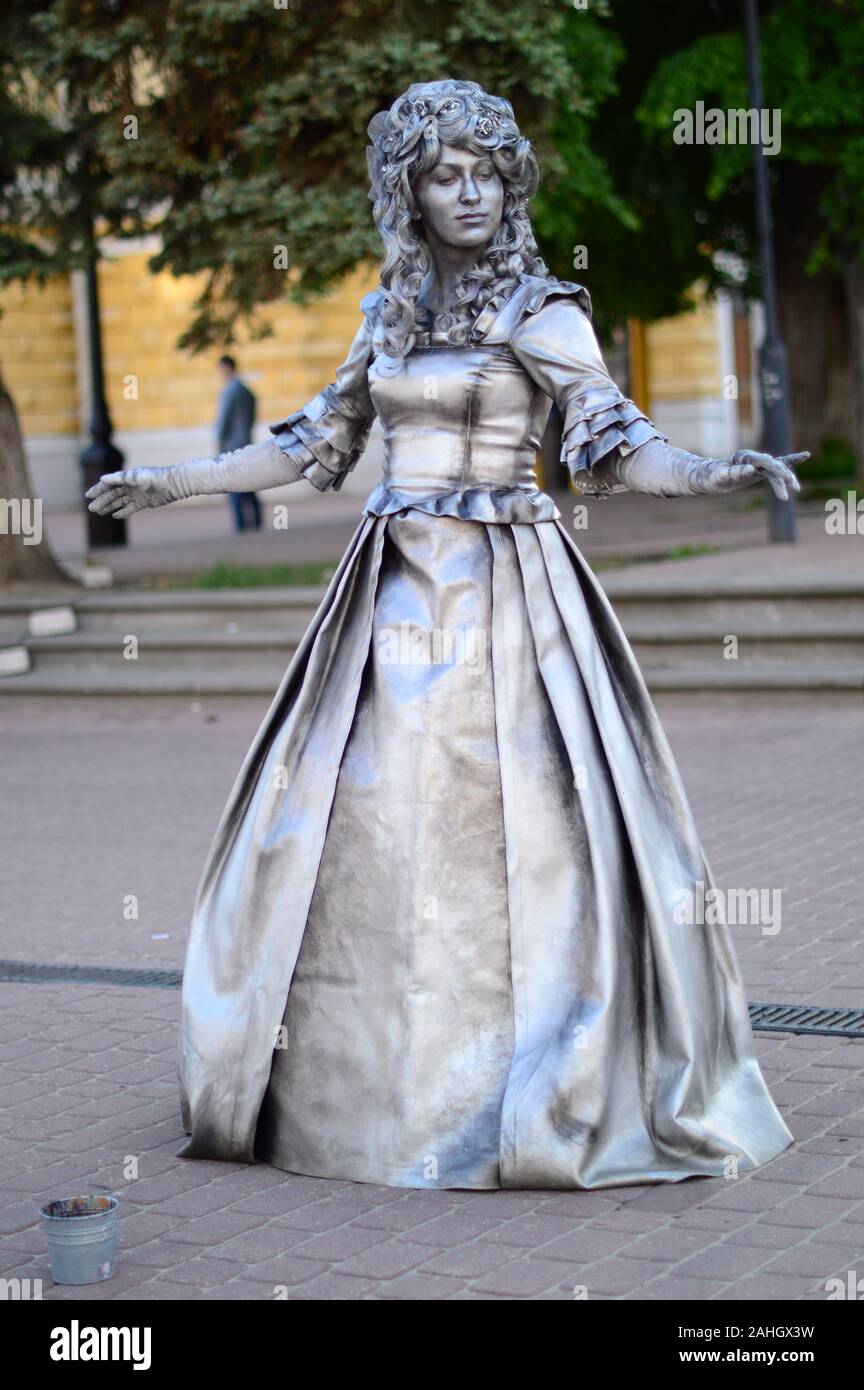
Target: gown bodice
459	417
463	424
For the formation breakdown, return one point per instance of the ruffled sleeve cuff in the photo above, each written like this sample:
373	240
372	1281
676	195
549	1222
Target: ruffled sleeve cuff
549	329
323	443
600	423
327	436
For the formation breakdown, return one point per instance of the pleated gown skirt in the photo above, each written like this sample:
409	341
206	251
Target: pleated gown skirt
450	931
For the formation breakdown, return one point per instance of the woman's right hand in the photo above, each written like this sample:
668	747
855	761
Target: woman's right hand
133	489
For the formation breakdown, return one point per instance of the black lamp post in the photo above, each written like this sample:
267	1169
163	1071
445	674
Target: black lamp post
101	455
772	354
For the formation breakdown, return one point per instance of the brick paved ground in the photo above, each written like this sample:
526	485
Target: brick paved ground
105	804
90	1081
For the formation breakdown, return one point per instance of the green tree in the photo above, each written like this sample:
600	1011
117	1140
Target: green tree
686	204
66	70
278	159
31	153
235	130
646	240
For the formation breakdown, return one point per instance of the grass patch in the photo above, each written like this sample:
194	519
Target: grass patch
687	552
834	462
680	552
821	492
228	576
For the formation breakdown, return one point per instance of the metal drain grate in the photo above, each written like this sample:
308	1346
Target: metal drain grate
765	1018
807	1018
28	972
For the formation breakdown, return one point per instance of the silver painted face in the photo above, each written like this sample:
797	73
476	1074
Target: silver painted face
461	200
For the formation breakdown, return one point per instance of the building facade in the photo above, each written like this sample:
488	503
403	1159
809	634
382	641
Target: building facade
693	374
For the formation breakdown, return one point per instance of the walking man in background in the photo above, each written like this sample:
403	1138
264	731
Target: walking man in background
234	423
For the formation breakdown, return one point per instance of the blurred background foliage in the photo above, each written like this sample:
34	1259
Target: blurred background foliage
248	131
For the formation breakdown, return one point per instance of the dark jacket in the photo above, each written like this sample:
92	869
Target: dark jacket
236	416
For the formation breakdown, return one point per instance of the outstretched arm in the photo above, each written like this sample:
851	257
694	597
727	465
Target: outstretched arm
320	442
662	470
250	469
608	443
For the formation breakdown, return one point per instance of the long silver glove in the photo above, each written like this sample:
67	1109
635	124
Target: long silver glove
250	469
665	471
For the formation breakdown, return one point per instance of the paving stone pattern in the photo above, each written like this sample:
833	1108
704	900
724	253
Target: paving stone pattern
87	1083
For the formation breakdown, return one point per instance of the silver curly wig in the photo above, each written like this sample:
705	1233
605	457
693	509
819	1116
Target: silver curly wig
406	142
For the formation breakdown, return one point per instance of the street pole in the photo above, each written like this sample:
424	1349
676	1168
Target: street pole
101	455
773	381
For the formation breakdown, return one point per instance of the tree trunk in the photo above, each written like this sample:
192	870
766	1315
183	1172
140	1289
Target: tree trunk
23	559
853	279
813	320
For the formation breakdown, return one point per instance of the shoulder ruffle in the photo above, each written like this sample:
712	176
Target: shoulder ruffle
327	436
512	303
544	290
509	307
371	302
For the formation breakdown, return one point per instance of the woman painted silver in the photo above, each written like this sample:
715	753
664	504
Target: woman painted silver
439	940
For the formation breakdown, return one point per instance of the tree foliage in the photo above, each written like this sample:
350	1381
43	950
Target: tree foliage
233	128
811	66
688	210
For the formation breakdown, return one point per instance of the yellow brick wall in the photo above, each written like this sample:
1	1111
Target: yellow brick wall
683	356
37	354
143	315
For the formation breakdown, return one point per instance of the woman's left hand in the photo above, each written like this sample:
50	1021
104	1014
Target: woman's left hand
747	466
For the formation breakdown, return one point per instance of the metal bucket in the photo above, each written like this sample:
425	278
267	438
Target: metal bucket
82	1238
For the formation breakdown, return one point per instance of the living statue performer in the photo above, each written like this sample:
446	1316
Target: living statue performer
442	936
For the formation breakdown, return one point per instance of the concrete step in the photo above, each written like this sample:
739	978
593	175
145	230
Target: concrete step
15	660
268	652
655	645
756	599
19	624
732	677
118	682
763	599
803	633
178	609
683	643
131	678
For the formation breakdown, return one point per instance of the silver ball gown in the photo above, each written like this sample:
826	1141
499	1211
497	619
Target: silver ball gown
436	941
